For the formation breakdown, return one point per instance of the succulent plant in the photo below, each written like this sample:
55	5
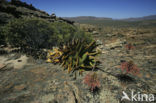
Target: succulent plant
53	56
130	68
75	55
129	46
91	79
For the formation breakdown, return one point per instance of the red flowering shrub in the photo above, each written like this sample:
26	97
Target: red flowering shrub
92	81
129	46
130	68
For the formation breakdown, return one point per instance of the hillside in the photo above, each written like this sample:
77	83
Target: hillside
150	17
18	9
30	29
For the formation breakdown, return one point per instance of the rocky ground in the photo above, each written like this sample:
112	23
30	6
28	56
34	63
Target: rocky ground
25	80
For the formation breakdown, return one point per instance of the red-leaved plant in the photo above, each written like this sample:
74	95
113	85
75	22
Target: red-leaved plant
129	46
130	68
92	81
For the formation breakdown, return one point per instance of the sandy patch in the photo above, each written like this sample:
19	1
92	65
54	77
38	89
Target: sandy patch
17	63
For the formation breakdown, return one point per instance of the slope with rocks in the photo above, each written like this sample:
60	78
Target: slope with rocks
35	81
17	9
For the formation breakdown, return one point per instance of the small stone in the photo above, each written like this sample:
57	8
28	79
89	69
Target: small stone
150	61
2	66
19	87
65	83
122	61
19	60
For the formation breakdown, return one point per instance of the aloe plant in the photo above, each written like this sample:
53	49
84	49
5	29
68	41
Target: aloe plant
75	55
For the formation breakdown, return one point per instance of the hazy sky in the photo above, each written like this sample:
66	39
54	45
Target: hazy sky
99	8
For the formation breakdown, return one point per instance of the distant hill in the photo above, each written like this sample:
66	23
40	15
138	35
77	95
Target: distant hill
81	19
147	21
84	18
151	17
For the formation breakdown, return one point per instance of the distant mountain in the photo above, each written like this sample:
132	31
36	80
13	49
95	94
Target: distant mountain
83	18
92	18
151	17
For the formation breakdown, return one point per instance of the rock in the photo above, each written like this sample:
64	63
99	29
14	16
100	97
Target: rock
53	15
99	42
114	44
110	35
2	66
95	33
19	87
19	60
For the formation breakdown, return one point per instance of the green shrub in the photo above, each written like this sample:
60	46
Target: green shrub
67	32
39	33
83	35
10	10
30	32
22	4
2	37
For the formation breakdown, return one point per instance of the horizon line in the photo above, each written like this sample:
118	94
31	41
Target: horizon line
107	17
